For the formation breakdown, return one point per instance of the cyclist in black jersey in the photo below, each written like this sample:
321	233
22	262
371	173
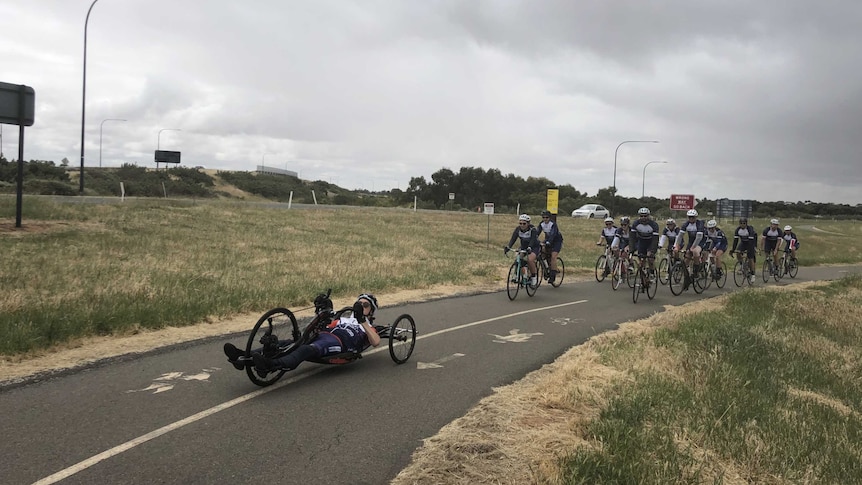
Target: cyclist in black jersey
643	240
529	237
771	235
553	242
791	243
745	239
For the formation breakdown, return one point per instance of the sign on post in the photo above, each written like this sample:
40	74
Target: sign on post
163	156
489	208
553	200
682	202
11	104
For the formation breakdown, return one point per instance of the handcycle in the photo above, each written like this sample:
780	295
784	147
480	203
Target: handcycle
683	274
519	276
604	263
277	333
543	266
645	280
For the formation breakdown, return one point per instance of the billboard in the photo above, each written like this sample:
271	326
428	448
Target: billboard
163	156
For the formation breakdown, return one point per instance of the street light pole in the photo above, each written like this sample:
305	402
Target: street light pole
615	157
102	124
84	96
159	140
643	183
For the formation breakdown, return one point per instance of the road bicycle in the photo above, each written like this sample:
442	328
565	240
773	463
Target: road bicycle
277	334
519	276
742	272
621	271
770	269
665	264
645	280
788	266
711	270
543	266
604	263
683	274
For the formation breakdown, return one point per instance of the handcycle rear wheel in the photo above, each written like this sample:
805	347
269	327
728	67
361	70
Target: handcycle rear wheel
402	338
513	282
268	337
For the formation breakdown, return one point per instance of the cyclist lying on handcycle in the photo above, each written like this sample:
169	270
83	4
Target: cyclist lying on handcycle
352	333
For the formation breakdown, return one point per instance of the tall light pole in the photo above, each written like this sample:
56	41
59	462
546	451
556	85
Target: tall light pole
615	157
84	96
102	124
643	183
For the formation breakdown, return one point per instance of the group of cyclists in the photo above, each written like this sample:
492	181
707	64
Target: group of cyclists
694	240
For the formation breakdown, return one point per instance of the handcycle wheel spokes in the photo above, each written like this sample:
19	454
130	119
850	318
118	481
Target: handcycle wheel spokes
561	273
513	281
600	267
271	335
402	338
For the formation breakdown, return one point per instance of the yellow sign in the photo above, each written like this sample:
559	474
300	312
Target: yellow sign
553	200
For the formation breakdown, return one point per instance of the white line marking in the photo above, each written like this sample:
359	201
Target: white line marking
438	364
83	465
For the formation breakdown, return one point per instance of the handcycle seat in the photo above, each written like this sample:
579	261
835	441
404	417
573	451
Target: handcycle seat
339	358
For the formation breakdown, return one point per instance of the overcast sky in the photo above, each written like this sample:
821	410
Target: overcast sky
748	99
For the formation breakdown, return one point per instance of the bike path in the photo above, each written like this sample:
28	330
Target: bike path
184	415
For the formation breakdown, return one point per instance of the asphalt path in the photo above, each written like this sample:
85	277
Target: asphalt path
184	415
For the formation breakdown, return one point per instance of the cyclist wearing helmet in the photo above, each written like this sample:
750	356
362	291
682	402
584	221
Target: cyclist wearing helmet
668	235
745	238
607	236
644	238
346	334
771	235
553	241
622	235
791	243
716	243
695	230
529	237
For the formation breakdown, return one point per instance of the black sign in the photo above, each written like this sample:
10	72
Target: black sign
163	156
11	103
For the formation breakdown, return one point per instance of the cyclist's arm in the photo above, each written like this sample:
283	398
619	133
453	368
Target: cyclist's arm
513	239
370	333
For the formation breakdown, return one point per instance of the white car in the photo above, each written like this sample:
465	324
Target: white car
591	211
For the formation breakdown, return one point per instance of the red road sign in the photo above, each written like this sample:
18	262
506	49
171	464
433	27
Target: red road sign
682	202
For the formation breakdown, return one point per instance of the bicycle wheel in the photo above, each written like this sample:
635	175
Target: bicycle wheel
561	273
636	286
616	275
699	279
721	280
792	267
531	290
402	338
630	274
739	274
765	273
779	269
663	272
513	282
676	278
271	336
706	271
600	268
652	284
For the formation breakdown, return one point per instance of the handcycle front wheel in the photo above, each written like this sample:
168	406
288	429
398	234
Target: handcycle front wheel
402	338
269	337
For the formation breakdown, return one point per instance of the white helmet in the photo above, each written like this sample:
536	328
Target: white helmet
643	211
788	228
524	217
624	220
774	221
670	221
609	219
691	213
711	223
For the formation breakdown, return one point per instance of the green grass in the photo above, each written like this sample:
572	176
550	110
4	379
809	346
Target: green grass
767	387
78	269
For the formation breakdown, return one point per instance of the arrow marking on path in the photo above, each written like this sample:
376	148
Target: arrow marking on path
514	336
437	363
164	383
